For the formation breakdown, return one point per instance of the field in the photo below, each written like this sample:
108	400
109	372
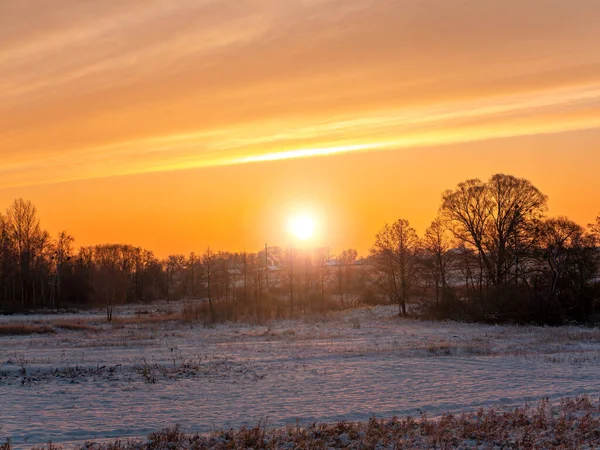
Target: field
74	377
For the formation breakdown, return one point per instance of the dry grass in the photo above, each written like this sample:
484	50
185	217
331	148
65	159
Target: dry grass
22	329
73	325
194	312
258	313
145	319
440	349
573	424
224	311
559	335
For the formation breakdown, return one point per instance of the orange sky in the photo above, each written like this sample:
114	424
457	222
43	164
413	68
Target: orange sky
175	125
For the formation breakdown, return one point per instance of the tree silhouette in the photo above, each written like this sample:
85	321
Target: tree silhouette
395	251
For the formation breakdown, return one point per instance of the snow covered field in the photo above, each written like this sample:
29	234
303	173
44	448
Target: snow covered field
138	376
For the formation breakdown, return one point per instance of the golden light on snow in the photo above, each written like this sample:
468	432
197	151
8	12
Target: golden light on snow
301	226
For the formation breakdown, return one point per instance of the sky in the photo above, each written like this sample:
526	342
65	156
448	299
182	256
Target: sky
178	125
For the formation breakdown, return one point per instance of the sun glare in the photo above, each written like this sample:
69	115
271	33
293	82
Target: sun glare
301	226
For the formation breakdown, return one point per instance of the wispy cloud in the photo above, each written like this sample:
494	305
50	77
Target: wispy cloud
94	89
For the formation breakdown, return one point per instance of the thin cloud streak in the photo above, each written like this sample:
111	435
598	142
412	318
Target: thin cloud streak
548	112
93	90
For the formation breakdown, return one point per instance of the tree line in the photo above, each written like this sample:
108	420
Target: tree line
491	255
38	271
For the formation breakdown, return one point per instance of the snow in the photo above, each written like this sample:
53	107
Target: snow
131	379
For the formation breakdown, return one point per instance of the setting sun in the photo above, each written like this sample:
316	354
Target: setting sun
302	226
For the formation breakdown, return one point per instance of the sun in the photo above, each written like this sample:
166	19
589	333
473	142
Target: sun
301	226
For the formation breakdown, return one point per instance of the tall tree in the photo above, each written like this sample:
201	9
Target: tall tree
321	257
63	252
112	282
290	273
437	246
209	259
192	270
173	266
24	230
496	218
346	259
395	251
571	259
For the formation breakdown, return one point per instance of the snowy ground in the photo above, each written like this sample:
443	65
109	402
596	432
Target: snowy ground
130	379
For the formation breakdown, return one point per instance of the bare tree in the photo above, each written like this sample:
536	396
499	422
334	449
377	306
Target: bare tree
192	270
595	230
321	257
245	263
395	251
112	282
346	259
306	259
147	271
252	281
437	246
209	265
24	230
493	218
291	257
63	252
173	265
7	275
572	261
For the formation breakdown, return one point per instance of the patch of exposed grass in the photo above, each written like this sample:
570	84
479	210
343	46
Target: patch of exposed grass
440	349
73	325
560	335
22	329
477	349
145	319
